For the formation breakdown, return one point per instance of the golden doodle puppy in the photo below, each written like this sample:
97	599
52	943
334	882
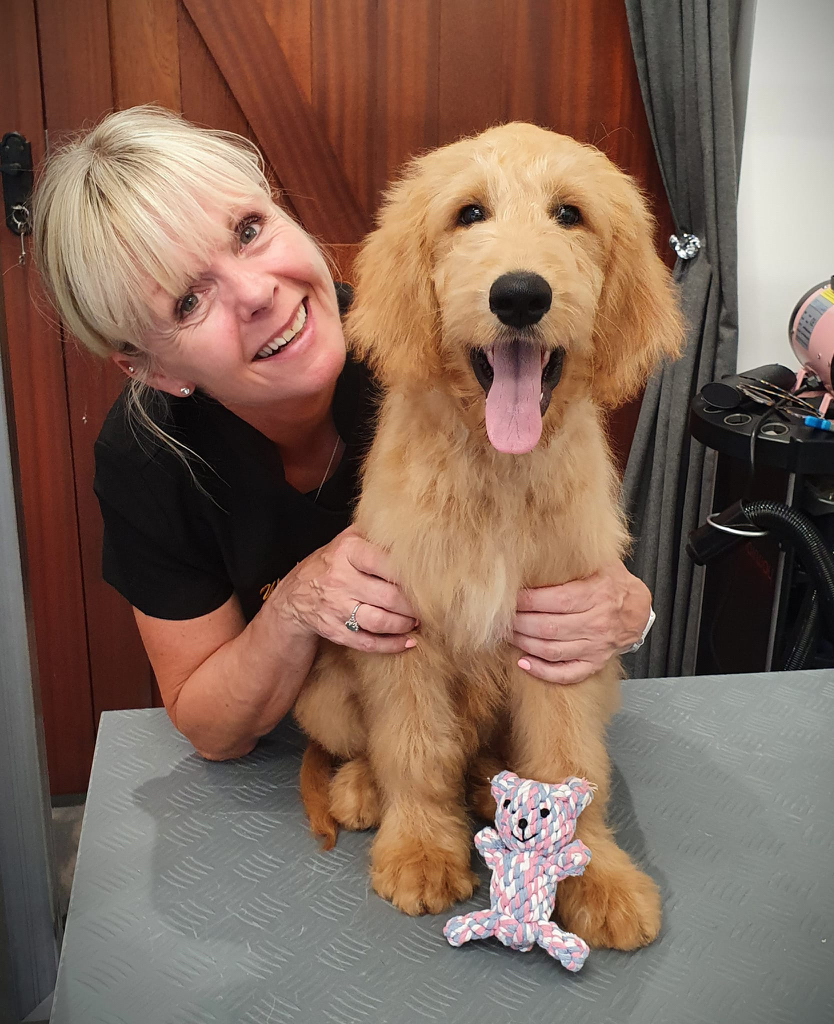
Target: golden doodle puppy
509	294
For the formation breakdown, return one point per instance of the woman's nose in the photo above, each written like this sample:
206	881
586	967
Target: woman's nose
256	300
254	292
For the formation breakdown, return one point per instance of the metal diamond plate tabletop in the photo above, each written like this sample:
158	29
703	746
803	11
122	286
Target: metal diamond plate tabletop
200	897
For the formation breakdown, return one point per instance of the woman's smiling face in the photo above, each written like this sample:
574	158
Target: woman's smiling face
259	324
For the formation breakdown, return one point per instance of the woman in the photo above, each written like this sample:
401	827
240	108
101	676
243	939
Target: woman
226	470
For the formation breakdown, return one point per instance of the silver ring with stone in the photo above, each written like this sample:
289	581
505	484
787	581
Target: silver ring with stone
351	623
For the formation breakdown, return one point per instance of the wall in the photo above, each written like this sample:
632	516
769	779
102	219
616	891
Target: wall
786	206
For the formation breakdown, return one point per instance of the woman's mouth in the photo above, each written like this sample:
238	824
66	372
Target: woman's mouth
287	336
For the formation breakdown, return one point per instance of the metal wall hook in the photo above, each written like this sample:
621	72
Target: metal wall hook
21	217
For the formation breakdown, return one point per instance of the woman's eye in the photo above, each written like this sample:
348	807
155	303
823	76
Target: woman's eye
187	304
471	214
568	216
248	230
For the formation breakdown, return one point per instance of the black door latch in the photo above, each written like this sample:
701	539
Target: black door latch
16	172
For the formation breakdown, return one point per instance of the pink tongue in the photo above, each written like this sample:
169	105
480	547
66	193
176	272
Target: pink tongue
513	412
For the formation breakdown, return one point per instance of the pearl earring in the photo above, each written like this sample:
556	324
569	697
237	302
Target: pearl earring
130	369
185	391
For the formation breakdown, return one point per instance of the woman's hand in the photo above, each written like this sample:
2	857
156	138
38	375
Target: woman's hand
321	592
568	632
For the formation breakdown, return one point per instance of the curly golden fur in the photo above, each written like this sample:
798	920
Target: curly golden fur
468	526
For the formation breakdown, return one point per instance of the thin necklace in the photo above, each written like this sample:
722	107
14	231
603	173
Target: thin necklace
329	464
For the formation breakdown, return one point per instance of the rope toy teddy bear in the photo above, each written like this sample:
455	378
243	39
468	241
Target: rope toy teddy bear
529	851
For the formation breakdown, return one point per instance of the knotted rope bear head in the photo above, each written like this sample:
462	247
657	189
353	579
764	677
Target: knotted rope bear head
536	816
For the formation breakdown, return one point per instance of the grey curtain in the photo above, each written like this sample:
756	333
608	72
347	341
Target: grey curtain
685	51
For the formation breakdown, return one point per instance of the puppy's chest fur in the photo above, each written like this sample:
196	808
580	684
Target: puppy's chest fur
468	527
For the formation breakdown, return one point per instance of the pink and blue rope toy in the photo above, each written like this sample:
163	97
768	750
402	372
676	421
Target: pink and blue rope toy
530	850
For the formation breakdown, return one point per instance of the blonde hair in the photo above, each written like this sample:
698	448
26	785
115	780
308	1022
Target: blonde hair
131	203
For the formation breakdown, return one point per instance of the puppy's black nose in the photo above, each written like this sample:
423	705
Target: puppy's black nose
520	299
522	823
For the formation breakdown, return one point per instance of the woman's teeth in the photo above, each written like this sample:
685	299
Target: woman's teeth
286	336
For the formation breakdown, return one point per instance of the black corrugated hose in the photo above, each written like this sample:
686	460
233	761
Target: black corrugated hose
801	654
795	528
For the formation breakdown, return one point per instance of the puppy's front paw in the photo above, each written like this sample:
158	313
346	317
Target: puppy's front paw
354	798
612	905
419	877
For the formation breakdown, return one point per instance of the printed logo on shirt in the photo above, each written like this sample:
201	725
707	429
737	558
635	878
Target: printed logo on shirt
267	590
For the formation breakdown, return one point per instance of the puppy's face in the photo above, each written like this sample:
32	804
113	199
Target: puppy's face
519	239
524	273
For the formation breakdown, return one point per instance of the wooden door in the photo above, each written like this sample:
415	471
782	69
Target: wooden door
337	94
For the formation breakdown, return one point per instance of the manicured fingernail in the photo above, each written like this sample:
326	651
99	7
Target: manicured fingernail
411	643
525	664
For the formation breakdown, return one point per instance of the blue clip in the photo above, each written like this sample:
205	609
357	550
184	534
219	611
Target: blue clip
818	423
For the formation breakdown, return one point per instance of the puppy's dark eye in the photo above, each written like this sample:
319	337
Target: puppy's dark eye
544	812
506	803
567	216
471	214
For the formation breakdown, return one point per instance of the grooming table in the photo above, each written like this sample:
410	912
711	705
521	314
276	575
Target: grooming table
200	897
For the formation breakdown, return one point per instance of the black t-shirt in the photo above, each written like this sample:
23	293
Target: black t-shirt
177	550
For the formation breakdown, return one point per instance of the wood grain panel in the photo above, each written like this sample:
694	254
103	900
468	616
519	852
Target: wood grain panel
292	25
75	48
530	53
206	98
41	421
569	67
144	54
471	67
344	89
256	70
564	65
531	50
407	111
74	36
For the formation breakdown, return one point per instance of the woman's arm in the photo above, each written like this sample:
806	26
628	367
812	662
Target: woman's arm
225	683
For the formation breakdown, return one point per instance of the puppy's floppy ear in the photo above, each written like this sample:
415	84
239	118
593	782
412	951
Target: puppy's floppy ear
392	320
638	322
